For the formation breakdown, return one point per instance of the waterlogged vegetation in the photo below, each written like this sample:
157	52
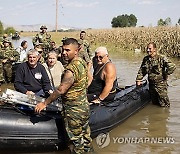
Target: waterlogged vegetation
129	39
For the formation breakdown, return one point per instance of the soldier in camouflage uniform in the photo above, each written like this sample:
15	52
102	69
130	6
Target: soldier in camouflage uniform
43	38
61	58
5	37
83	52
86	44
8	55
73	89
158	67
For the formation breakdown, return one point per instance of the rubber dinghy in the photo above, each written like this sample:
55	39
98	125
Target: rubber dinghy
24	130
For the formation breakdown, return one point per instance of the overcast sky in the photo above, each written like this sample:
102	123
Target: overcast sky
87	13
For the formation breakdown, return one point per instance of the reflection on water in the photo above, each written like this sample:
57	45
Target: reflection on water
150	122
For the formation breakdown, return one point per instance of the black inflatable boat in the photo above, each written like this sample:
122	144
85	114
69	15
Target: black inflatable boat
23	130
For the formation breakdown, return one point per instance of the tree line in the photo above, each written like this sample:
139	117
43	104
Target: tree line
125	20
8	30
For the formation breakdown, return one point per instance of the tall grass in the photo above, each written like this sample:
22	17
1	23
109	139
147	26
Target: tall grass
167	39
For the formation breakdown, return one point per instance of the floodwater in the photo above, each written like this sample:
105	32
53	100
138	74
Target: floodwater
151	130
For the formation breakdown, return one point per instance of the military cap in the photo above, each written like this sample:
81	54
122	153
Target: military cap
6	40
43	27
37	44
5	36
64	38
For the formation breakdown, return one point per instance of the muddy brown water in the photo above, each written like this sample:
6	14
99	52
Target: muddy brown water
151	130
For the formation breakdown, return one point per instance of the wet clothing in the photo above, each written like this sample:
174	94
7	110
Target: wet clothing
6	68
77	108
97	85
157	68
31	79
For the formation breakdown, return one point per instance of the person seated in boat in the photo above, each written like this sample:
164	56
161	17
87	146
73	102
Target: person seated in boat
22	50
31	77
54	69
103	83
40	56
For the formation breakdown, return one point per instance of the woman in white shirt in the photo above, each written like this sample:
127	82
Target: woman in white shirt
22	50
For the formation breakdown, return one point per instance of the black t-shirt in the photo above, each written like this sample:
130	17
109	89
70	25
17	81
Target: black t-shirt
31	79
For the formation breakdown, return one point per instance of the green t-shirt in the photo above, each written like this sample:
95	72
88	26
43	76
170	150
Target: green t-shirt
77	93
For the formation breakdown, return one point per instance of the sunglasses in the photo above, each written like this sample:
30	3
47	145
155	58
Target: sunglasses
100	57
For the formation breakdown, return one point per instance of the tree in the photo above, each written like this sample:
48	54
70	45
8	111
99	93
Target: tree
124	21
161	22
1	28
9	30
167	21
132	20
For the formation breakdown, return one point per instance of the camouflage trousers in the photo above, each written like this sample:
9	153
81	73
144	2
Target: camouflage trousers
7	72
158	93
78	130
1	73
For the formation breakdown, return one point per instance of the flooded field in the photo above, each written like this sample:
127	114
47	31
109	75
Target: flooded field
153	129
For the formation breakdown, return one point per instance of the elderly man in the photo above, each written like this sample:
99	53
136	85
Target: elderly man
157	67
31	77
73	89
102	85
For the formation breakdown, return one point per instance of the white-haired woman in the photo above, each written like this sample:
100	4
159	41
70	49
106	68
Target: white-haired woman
54	69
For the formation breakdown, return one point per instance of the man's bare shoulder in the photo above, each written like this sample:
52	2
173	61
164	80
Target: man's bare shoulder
109	66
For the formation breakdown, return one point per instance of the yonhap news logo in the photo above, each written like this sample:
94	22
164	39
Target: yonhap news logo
104	139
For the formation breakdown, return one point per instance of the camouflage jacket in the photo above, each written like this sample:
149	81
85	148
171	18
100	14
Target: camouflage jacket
84	54
87	48
7	53
157	68
76	94
43	39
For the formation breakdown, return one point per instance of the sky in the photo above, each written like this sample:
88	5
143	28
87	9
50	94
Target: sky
86	13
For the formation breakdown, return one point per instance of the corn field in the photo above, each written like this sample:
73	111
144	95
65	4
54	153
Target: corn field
167	39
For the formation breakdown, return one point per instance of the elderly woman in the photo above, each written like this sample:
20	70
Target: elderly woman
54	69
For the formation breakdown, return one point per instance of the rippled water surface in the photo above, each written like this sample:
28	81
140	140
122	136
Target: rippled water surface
153	129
